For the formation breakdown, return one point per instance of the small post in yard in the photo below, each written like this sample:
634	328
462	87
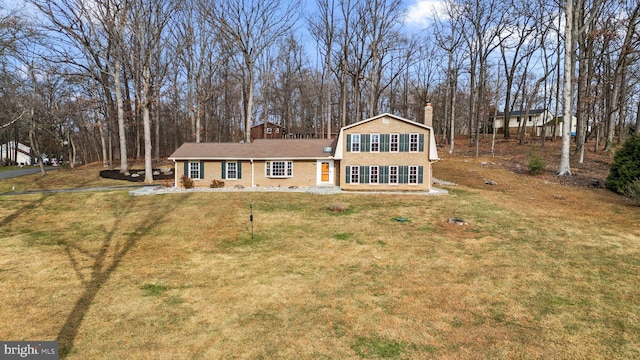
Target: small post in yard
251	218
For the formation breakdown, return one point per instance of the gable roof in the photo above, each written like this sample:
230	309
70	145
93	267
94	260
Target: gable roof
433	151
259	149
386	115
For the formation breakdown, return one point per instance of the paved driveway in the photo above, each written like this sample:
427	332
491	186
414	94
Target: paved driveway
21	172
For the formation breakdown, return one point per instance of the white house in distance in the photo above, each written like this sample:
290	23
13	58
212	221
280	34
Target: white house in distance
8	153
535	121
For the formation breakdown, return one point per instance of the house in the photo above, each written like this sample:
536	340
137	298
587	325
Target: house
535	119
8	153
385	152
550	124
267	130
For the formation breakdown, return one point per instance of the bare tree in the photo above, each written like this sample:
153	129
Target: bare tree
249	27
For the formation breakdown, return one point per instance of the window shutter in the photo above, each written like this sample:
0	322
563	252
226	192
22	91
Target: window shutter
421	146
201	169
223	172
348	142
404	142
384	139
239	170
405	175
367	143
186	169
348	175
363	176
366	174
420	176
384	174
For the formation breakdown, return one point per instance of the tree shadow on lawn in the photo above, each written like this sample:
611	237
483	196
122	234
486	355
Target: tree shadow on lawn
106	261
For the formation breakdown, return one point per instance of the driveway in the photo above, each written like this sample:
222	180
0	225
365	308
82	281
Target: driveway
22	172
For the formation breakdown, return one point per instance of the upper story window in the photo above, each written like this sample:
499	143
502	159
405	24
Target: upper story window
394	141
269	130
355	143
413	142
375	143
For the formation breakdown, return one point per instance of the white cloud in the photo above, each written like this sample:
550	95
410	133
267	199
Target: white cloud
422	12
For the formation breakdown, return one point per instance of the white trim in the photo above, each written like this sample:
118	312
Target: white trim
377	143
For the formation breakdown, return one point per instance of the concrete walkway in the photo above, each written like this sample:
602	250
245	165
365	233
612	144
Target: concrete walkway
321	190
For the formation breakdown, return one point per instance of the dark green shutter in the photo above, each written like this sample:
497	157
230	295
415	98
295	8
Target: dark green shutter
239	170
420	176
364	174
186	169
385	142
201	169
348	175
223	172
421	146
384	174
348	142
404	142
367	143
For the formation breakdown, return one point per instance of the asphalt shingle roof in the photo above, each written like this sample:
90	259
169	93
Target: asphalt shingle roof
258	149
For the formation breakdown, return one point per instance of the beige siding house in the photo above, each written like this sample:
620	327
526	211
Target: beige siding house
385	152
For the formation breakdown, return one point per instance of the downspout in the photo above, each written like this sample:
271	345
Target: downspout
253	175
175	174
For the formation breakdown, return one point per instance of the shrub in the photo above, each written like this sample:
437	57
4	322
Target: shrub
632	190
216	184
537	164
626	165
186	182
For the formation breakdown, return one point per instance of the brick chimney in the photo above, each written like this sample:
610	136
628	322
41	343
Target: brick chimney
428	115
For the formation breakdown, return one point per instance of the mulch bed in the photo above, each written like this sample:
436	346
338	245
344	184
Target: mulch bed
116	175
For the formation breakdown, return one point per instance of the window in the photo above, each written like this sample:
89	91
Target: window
394	140
194	170
413	174
269	130
393	174
232	171
277	130
355	143
279	169
375	142
413	142
374	172
355	174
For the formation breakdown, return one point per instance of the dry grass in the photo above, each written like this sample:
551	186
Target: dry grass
541	271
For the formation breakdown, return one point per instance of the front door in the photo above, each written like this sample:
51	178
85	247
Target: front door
324	172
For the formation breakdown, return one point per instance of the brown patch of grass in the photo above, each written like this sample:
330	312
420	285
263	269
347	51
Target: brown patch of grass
542	270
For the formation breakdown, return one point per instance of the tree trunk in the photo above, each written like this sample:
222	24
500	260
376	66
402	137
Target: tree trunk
565	168
124	166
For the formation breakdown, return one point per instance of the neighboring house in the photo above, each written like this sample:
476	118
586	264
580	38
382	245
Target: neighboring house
267	131
385	152
8	152
550	124
535	119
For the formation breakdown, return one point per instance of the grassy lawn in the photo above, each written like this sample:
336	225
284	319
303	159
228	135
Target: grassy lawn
541	271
